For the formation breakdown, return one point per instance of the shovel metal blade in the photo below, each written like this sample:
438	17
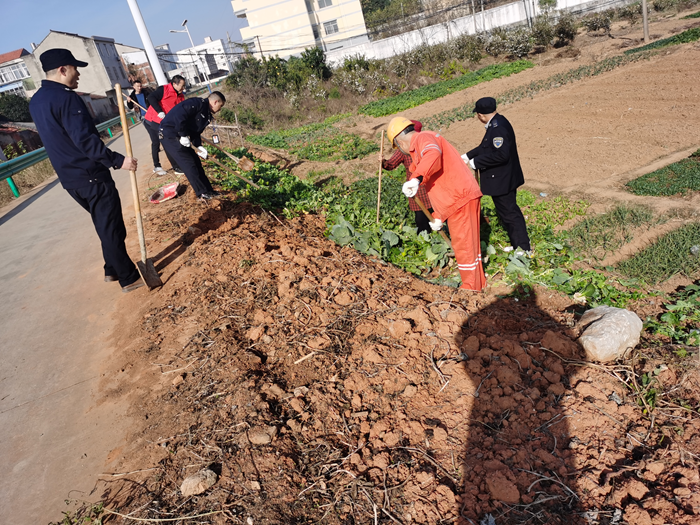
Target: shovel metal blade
149	274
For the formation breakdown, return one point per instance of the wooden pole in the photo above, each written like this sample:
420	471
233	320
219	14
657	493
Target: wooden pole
645	21
430	218
210	158
240	133
379	188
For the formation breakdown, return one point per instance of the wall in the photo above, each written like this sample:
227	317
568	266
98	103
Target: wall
504	15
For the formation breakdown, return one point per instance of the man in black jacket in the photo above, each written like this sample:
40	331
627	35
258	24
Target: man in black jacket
139	99
82	161
501	174
182	128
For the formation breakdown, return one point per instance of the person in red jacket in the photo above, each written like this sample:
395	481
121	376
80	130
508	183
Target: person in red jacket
161	101
394	162
453	191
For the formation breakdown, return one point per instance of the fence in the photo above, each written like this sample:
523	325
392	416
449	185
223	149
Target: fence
515	13
14	166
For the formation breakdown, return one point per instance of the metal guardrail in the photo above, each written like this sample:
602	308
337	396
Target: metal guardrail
14	166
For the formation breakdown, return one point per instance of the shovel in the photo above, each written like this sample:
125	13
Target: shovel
212	159
145	265
244	162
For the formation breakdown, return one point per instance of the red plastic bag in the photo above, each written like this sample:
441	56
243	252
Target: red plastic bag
165	193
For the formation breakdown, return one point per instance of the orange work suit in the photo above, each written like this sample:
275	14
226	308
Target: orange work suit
456	198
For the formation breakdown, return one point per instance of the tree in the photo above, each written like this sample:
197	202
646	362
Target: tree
14	108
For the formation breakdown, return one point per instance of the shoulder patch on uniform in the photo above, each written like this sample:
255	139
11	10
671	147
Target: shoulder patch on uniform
498	142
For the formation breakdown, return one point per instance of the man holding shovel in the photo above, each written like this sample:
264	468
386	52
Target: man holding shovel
181	129
82	161
453	192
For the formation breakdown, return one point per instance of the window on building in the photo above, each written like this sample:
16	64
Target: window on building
324	3
14	72
330	27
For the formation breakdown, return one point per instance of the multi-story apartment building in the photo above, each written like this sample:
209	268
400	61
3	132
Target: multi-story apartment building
213	57
137	65
14	75
104	68
288	28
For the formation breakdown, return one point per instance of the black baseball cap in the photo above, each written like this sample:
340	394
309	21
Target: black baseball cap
485	105
55	58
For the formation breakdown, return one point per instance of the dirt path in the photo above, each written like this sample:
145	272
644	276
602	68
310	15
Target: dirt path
58	318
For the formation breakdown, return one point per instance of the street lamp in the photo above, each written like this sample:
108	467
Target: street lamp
184	24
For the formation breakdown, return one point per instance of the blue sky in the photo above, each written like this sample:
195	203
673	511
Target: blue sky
27	21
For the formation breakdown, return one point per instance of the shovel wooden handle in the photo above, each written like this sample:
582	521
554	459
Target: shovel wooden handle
244	163
134	185
212	159
134	102
430	218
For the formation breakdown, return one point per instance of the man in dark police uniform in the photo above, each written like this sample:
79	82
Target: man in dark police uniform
82	161
182	128
501	174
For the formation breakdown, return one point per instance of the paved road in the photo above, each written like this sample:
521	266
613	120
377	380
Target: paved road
57	316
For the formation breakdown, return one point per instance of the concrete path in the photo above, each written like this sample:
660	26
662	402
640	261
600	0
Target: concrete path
57	315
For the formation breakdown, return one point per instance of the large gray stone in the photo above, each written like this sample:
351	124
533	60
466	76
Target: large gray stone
198	483
612	334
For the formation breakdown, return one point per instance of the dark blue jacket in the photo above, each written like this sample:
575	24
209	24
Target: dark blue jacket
497	158
71	139
187	119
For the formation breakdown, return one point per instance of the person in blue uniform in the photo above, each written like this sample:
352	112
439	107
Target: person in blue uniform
501	175
139	96
181	129
82	161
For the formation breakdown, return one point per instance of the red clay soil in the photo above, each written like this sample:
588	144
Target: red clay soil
324	386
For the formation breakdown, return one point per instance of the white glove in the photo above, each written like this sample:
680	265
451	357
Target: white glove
436	225
185	141
410	188
471	163
202	152
161	115
465	158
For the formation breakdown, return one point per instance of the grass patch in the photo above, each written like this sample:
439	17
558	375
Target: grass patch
603	234
464	112
319	142
675	179
694	15
416	97
26	180
681	321
669	255
691	35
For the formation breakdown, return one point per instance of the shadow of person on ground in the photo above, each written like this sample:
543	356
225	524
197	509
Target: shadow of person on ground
517	460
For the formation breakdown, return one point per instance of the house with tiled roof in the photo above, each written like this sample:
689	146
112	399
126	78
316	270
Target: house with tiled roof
14	75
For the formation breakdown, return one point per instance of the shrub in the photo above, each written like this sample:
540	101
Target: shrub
14	108
355	63
246	116
597	22
496	42
664	5
247	70
519	42
468	47
543	31
631	12
565	30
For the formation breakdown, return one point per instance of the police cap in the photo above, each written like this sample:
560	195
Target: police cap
485	105
55	58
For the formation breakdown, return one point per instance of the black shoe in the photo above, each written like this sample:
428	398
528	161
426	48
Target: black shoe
209	196
133	286
178	171
111	278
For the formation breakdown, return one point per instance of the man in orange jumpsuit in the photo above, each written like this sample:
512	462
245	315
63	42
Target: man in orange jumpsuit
453	190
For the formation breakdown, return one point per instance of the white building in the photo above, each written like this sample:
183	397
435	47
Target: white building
14	75
104	68
213	58
136	61
288	28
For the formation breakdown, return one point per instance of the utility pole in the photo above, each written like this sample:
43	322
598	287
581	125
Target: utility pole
262	57
147	43
645	21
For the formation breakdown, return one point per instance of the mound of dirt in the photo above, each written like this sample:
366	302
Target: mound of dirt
321	385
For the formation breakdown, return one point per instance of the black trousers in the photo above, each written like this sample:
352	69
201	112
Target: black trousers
101	200
512	219
189	162
422	222
153	131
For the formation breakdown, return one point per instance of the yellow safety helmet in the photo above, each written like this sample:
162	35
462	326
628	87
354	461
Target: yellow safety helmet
396	126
